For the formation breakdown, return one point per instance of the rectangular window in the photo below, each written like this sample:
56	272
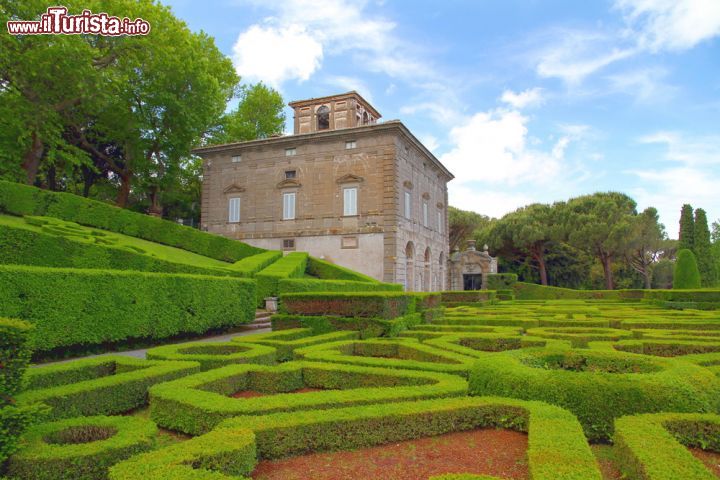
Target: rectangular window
288	206
349	242
350	144
236	158
350	201
234	210
289	152
425	214
289	244
290	174
440	222
408	205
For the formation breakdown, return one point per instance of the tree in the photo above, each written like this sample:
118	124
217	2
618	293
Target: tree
462	224
646	243
703	250
600	224
687	228
259	114
686	274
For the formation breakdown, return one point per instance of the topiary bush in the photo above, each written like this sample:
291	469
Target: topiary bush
80	448
686	274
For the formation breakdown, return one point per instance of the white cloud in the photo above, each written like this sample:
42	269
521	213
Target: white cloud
688	150
527	98
276	54
646	85
430	142
486	202
673	25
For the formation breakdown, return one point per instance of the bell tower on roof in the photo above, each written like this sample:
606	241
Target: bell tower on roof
335	112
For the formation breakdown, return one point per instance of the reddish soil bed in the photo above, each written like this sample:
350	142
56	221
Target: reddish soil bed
253	393
605	456
501	453
710	459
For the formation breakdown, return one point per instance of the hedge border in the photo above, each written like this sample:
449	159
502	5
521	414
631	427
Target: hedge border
77	387
252	353
41	460
285	342
493	342
384	305
197	403
330	271
302	285
291	265
579	337
365	326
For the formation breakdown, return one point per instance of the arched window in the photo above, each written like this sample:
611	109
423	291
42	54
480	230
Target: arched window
366	118
323	118
409	267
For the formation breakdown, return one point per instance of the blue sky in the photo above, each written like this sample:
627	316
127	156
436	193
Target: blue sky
523	100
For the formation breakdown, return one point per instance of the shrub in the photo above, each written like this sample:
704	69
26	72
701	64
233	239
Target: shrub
531	291
686	274
286	341
300	285
214	354
652	447
500	281
196	404
597	386
99	386
667	348
88	307
329	271
386	305
228	453
18	199
249	266
80	448
290	266
557	449
367	327
579	337
403	353
480	344
469	297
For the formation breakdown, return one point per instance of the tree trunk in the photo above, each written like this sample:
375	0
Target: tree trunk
31	160
646	275
124	193
606	263
155	208
543	270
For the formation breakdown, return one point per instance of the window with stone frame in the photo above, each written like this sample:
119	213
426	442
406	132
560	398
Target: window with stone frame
323	118
234	210
350	201
289	206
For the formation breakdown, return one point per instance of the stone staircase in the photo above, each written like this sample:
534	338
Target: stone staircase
261	322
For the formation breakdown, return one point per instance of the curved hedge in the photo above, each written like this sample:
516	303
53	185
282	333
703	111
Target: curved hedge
480	344
285	342
652	447
196	404
18	199
88	307
214	354
580	336
597	386
80	448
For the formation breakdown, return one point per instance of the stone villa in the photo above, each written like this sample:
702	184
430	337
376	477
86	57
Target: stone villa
344	187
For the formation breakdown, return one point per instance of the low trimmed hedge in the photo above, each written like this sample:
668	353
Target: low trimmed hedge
652	447
19	199
249	266
531	291
667	348
329	271
682	299
286	341
480	344
99	386
557	449
464	297
73	307
580	336
80	448
222	454
385	305
366	327
403	353
500	281
291	265
196	404
301	285
214	354
597	386
426	332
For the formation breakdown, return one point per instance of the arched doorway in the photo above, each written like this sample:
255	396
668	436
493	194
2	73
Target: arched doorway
428	270
409	267
441	272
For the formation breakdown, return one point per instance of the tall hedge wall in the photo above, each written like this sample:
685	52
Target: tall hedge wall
299	285
531	291
329	271
18	199
72	307
290	266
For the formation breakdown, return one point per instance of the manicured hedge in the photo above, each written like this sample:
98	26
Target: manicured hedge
531	291
652	447
686	274
365	326
667	348
18	199
221	454
557	449
249	266
386	305
99	386
196	404
329	271
694	299
26	247
214	354
72	307
14	358
286	341
425	332
300	285
500	281
480	344
456	298
597	386
291	265
404	353
580	336
80	448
